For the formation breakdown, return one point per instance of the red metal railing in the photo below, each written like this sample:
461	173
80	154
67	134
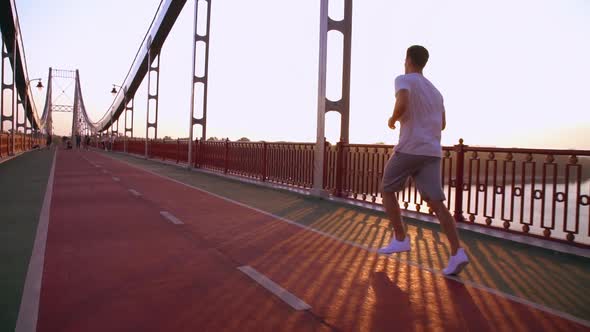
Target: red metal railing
544	193
135	146
290	164
174	150
247	159
182	151
282	163
540	193
18	143
354	171
4	145
162	150
22	142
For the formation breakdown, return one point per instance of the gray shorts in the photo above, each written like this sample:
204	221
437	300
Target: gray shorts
425	170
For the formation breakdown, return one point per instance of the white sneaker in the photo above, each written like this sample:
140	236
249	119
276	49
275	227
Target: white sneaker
396	246
456	263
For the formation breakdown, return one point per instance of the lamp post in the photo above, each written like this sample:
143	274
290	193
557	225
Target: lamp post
114	93
114	89
39	86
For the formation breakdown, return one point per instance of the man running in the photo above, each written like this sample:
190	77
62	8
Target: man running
48	141
419	109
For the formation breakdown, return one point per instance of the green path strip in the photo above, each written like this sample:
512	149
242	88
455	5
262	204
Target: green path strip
558	281
22	187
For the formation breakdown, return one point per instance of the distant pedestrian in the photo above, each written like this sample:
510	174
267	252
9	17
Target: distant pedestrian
420	110
87	142
78	140
48	141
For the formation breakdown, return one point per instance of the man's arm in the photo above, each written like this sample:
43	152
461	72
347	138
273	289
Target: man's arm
401	105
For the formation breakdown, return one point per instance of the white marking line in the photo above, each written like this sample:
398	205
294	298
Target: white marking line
116	179
29	307
90	162
171	218
374	250
134	192
292	300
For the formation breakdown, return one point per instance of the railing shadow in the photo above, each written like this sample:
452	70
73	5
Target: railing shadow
535	275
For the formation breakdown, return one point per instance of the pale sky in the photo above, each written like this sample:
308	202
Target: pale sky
513	73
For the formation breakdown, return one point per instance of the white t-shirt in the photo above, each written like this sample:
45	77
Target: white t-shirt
421	124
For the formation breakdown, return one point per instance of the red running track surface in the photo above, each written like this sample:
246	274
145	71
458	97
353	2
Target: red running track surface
113	263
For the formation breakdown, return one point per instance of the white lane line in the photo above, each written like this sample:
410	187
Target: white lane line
513	298
292	300
116	179
171	218
134	192
29	306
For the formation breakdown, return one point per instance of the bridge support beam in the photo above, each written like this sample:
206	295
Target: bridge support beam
128	109
76	111
201	77
21	121
115	128
49	105
152	107
8	58
341	106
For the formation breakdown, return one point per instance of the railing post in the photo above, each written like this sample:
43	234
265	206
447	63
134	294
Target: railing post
460	155
264	160
197	153
325	164
226	159
339	168
177	150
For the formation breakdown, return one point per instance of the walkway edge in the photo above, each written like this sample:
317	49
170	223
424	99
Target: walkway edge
18	154
29	307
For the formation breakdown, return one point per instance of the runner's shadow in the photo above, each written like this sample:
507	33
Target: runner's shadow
393	309
466	309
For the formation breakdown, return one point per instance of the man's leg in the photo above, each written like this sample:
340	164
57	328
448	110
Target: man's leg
393	212
429	182
459	258
399	241
447	222
396	172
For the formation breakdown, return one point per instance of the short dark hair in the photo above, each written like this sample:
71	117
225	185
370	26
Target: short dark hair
418	54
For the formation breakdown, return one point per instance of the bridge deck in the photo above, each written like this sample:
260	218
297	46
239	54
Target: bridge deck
115	262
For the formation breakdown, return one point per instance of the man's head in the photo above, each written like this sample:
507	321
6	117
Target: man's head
416	58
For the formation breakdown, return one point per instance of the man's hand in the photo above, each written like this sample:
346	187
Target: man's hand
391	123
401	105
